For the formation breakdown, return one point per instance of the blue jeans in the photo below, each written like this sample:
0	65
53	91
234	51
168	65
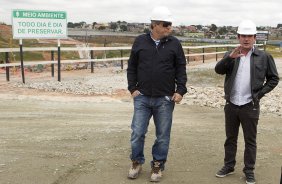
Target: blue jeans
161	108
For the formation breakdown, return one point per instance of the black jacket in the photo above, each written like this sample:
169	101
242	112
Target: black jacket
264	76
157	71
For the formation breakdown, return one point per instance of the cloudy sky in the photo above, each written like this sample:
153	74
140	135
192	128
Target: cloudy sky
185	12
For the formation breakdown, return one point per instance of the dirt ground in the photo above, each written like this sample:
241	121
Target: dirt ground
50	138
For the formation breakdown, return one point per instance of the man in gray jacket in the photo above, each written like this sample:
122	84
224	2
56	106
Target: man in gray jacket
249	74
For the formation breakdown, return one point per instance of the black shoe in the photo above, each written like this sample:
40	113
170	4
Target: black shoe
224	171
250	178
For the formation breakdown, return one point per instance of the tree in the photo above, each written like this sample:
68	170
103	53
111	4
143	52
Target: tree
199	27
233	31
213	28
102	28
77	25
74	25
93	25
70	25
261	28
222	30
113	26
82	24
146	30
123	28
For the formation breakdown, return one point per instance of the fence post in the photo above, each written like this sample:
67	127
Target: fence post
203	55
188	56
7	67
121	62
52	65
216	54
92	62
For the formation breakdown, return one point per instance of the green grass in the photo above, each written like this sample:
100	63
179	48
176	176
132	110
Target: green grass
27	56
69	55
2	58
2	41
275	51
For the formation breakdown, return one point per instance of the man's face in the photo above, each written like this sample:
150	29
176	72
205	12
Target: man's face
247	41
163	29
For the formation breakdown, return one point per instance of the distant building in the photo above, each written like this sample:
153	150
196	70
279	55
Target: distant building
192	29
195	35
102	26
137	27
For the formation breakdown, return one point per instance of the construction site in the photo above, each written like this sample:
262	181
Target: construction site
77	130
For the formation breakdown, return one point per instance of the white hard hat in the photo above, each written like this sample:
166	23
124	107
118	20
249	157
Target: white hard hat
161	13
247	27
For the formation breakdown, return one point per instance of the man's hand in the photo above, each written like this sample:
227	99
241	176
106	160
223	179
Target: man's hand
135	93
236	52
176	98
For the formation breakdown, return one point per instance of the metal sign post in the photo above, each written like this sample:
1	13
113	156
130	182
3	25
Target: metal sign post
59	60
52	65
21	56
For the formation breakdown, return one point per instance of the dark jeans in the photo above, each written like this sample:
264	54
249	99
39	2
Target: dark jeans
246	115
161	108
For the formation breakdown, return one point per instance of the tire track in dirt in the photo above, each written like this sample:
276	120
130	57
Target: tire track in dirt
74	173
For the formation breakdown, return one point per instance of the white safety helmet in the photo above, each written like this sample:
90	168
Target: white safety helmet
247	27
161	13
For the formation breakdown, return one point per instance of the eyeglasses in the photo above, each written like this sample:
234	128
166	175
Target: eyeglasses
166	24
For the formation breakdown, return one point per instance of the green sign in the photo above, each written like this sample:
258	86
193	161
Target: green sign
39	24
39	14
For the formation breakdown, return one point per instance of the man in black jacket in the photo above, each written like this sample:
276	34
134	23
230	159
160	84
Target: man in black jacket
249	75
156	80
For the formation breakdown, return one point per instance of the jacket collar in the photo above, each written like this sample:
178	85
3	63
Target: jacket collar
165	39
255	51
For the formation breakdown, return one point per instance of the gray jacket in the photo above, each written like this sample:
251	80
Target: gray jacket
264	76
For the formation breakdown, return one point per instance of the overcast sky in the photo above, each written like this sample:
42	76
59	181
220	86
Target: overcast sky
185	12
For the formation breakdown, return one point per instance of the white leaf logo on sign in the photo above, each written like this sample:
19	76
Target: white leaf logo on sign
17	14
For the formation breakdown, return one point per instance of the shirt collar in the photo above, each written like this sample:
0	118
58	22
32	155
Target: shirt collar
156	41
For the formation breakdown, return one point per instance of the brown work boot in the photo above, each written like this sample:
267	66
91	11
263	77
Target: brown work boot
156	173
134	170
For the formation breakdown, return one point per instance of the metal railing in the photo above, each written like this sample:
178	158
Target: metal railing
92	60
